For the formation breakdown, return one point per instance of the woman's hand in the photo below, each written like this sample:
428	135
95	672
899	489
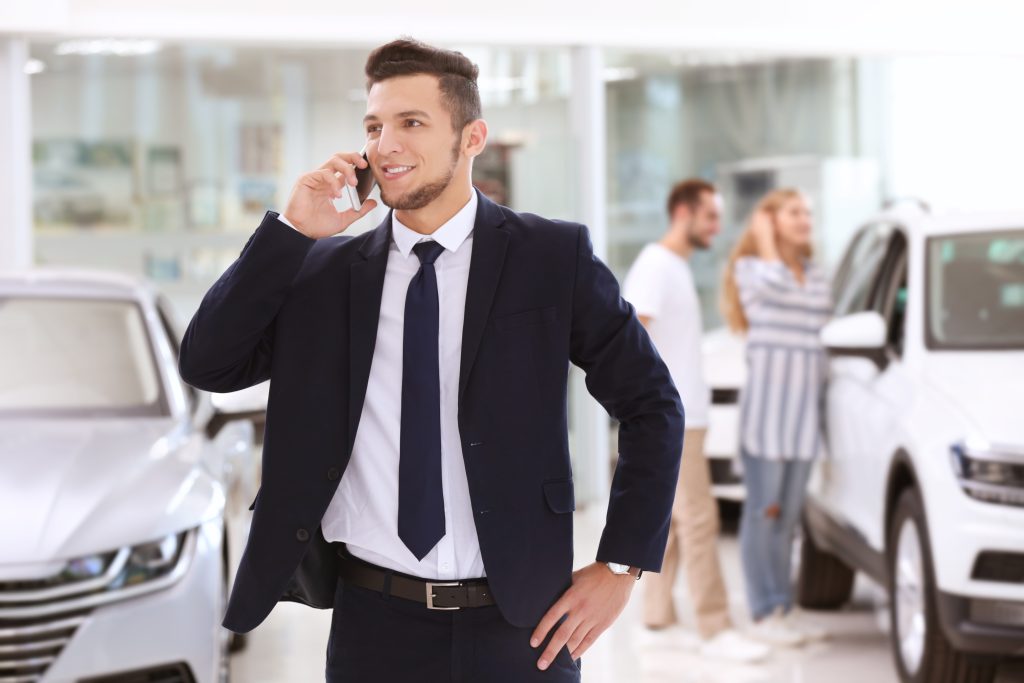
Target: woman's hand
311	205
762	226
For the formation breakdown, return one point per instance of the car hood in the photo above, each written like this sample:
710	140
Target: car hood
985	388
76	487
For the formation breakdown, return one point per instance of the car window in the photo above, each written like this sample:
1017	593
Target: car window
843	271
861	265
889	294
77	356
975	291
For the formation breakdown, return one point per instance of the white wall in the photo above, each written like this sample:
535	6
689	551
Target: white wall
956	131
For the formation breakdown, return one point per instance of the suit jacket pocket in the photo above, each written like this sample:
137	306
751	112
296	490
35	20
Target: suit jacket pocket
534	316
560	495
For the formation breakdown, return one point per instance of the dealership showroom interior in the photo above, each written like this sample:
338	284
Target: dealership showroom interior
709	369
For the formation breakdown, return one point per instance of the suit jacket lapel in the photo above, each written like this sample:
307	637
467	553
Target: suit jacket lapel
366	286
490	240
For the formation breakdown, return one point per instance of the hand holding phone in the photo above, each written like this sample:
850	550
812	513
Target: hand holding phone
311	205
365	183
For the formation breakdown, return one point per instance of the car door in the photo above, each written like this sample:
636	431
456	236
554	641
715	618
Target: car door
886	393
852	408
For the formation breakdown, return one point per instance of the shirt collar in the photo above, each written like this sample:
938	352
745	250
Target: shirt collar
451	235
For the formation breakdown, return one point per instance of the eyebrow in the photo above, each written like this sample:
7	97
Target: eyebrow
418	113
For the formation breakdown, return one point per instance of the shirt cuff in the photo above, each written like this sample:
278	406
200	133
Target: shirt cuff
287	222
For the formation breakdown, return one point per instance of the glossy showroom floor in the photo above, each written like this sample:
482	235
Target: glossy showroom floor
289	646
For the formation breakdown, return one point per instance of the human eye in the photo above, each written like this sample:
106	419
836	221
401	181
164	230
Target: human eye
373	130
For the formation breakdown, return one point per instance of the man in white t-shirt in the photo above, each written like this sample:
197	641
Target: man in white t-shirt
660	286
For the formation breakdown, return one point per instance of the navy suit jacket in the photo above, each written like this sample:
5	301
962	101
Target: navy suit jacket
303	313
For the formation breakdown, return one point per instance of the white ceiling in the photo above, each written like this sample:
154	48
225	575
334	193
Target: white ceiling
820	27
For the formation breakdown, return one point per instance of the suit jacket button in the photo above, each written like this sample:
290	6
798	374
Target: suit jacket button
302	535
333	473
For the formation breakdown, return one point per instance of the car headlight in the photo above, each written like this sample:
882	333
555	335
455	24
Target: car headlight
148	561
87	567
990	474
102	578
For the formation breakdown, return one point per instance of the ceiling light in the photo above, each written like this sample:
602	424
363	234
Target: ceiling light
108	46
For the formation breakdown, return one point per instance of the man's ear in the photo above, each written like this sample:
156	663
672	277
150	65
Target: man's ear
681	215
474	138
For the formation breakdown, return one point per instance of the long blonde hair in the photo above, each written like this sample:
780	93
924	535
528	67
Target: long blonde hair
746	245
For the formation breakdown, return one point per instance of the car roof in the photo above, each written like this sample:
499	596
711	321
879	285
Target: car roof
73	282
922	222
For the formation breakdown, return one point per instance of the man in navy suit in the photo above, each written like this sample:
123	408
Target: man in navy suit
416	471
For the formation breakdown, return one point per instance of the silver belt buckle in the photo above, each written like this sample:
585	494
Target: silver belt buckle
431	595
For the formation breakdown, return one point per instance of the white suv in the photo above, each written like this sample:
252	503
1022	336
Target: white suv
923	487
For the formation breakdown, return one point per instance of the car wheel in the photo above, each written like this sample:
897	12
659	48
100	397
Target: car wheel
225	637
920	648
823	581
236	641
224	671
239	641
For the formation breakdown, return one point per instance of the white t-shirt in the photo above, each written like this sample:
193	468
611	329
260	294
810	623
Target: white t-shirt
660	285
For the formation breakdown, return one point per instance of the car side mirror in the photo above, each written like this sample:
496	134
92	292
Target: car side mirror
247	404
858	335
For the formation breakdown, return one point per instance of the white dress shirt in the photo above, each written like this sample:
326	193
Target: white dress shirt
364	511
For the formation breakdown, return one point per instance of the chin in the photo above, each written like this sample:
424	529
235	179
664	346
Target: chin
800	241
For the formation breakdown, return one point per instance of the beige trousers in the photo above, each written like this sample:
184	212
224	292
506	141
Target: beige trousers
692	542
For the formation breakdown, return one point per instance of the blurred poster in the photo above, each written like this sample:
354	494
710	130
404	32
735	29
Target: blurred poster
260	148
492	173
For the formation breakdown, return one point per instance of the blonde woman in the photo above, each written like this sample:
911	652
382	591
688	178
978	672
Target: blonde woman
775	294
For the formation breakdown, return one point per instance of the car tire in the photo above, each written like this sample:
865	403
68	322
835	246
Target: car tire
239	641
921	651
824	581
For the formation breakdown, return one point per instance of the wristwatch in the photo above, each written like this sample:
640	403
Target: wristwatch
617	568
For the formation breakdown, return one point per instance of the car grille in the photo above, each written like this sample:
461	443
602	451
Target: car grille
29	647
38	617
172	673
999	566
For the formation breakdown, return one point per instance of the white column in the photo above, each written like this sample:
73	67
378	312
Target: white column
587	121
15	156
295	126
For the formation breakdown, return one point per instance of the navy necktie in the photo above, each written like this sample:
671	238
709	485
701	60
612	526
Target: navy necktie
420	499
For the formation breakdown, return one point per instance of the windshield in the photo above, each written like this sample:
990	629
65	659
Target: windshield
976	291
76	357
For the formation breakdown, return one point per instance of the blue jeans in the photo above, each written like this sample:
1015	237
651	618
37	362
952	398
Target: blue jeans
766	542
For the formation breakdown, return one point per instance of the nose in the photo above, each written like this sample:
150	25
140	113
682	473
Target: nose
388	142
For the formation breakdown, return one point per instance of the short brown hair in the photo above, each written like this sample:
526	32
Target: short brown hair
687	192
456	74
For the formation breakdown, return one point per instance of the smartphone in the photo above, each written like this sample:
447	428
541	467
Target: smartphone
364	185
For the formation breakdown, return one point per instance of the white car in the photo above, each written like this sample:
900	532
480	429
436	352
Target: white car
725	371
923	486
115	484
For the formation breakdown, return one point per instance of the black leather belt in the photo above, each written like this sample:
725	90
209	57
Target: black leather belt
437	595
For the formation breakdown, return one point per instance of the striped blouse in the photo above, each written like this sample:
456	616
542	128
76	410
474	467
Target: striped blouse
780	410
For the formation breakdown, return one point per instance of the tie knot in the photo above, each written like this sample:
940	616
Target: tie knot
428	251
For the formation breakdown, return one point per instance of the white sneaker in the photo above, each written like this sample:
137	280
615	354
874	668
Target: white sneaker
774	630
733	646
797	620
672	637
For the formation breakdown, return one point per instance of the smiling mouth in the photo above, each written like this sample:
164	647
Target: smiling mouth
393	171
